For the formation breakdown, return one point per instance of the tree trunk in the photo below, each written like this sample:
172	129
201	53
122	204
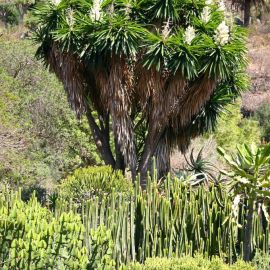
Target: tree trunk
102	140
162	158
119	158
21	12
144	164
150	147
247	7
248	231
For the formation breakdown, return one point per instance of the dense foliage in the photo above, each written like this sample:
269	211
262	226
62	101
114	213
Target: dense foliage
262	115
12	12
189	263
40	138
85	183
233	129
31	238
110	232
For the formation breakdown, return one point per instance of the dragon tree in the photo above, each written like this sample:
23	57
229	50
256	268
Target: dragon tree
149	75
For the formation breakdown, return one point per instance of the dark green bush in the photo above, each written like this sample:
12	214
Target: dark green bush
87	182
8	13
263	117
189	263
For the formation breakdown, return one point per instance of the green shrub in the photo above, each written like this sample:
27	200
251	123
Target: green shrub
41	140
31	238
233	129
189	263
263	117
261	261
87	182
8	13
101	249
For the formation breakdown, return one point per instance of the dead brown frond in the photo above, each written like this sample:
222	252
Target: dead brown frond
70	70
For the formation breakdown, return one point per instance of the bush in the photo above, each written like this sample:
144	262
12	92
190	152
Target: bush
87	182
8	13
31	238
263	117
189	263
41	140
101	249
233	129
261	261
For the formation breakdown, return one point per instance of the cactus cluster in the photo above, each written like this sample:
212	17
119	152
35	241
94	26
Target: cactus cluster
108	232
31	238
173	221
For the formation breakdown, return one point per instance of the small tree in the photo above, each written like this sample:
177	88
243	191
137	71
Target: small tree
157	73
250	181
13	11
246	6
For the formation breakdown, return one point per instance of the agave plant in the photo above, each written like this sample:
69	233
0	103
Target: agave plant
250	182
163	69
202	168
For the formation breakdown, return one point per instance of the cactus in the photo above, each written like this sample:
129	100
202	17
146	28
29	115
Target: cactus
172	221
31	238
114	230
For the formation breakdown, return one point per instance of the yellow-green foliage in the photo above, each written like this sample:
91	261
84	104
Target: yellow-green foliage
233	129
85	182
31	238
41	140
101	249
261	260
189	263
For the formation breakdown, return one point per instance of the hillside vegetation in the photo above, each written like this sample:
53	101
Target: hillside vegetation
41	140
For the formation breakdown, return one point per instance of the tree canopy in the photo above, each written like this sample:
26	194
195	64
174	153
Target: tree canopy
157	72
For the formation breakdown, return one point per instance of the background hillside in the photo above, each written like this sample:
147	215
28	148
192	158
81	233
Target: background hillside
40	139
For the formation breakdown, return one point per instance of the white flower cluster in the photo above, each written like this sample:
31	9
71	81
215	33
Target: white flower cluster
70	17
221	6
208	2
166	29
189	34
56	2
205	15
95	12
222	34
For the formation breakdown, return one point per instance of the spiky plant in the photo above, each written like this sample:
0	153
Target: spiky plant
161	69
202	169
250	175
